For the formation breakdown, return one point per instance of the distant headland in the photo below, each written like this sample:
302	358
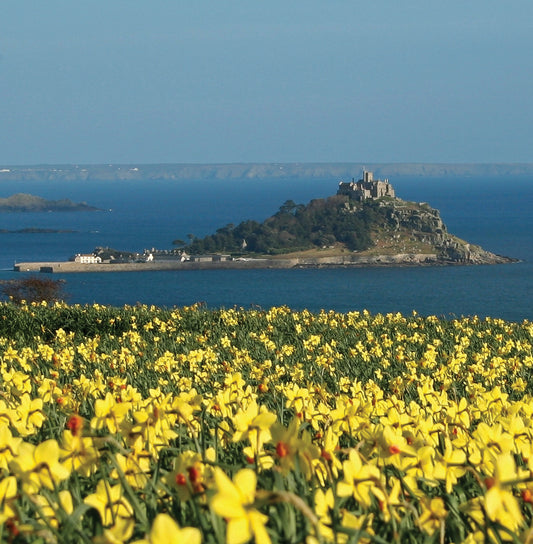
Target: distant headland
363	224
223	171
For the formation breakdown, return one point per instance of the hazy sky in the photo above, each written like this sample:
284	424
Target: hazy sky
195	81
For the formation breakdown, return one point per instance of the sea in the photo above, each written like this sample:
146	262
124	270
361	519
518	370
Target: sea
136	215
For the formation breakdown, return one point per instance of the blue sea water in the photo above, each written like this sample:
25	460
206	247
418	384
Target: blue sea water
493	213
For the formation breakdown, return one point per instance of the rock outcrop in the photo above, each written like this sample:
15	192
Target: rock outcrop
22	202
416	217
419	223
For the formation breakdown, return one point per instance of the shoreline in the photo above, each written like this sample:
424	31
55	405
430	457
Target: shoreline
351	261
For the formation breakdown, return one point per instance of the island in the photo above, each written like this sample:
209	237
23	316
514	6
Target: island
37	230
363	224
22	202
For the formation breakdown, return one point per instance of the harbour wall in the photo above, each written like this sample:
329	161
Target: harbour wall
66	267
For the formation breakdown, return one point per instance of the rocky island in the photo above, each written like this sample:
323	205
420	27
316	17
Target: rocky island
22	202
363	224
36	230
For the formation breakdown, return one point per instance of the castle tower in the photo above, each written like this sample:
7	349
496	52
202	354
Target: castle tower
367	187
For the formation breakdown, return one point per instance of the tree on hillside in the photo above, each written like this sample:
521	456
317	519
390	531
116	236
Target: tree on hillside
295	227
33	289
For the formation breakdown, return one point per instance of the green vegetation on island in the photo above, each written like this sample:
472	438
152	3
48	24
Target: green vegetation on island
22	202
297	227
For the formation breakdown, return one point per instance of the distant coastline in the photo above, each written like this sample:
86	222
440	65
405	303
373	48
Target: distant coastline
254	171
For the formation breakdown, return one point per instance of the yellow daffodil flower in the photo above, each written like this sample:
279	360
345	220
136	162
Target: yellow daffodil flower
78	452
450	466
108	413
234	501
361	480
433	515
48	508
119	533
8	494
110	502
39	466
166	531
30	416
9	445
500	503
292	450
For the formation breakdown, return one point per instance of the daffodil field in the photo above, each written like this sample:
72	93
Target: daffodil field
149	425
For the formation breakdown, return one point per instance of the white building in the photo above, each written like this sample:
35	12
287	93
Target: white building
87	258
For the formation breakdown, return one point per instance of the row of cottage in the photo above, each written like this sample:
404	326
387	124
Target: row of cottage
157	256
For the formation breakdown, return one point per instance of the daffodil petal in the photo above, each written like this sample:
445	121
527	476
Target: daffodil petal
238	531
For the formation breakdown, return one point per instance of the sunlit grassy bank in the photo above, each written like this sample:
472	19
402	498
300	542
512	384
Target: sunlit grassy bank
138	424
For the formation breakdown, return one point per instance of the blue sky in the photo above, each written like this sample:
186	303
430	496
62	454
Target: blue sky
130	81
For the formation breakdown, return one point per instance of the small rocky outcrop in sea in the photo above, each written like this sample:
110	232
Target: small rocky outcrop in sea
22	202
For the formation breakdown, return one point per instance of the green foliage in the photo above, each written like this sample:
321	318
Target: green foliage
295	227
33	289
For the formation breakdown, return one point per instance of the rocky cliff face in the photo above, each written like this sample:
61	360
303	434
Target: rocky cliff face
419	218
458	251
420	225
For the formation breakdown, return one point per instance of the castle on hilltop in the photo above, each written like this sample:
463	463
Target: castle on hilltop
366	188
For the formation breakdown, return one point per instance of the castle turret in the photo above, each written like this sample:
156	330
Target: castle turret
367	187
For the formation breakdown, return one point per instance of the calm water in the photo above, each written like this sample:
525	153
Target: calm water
492	213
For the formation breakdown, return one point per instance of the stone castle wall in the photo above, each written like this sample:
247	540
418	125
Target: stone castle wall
366	188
